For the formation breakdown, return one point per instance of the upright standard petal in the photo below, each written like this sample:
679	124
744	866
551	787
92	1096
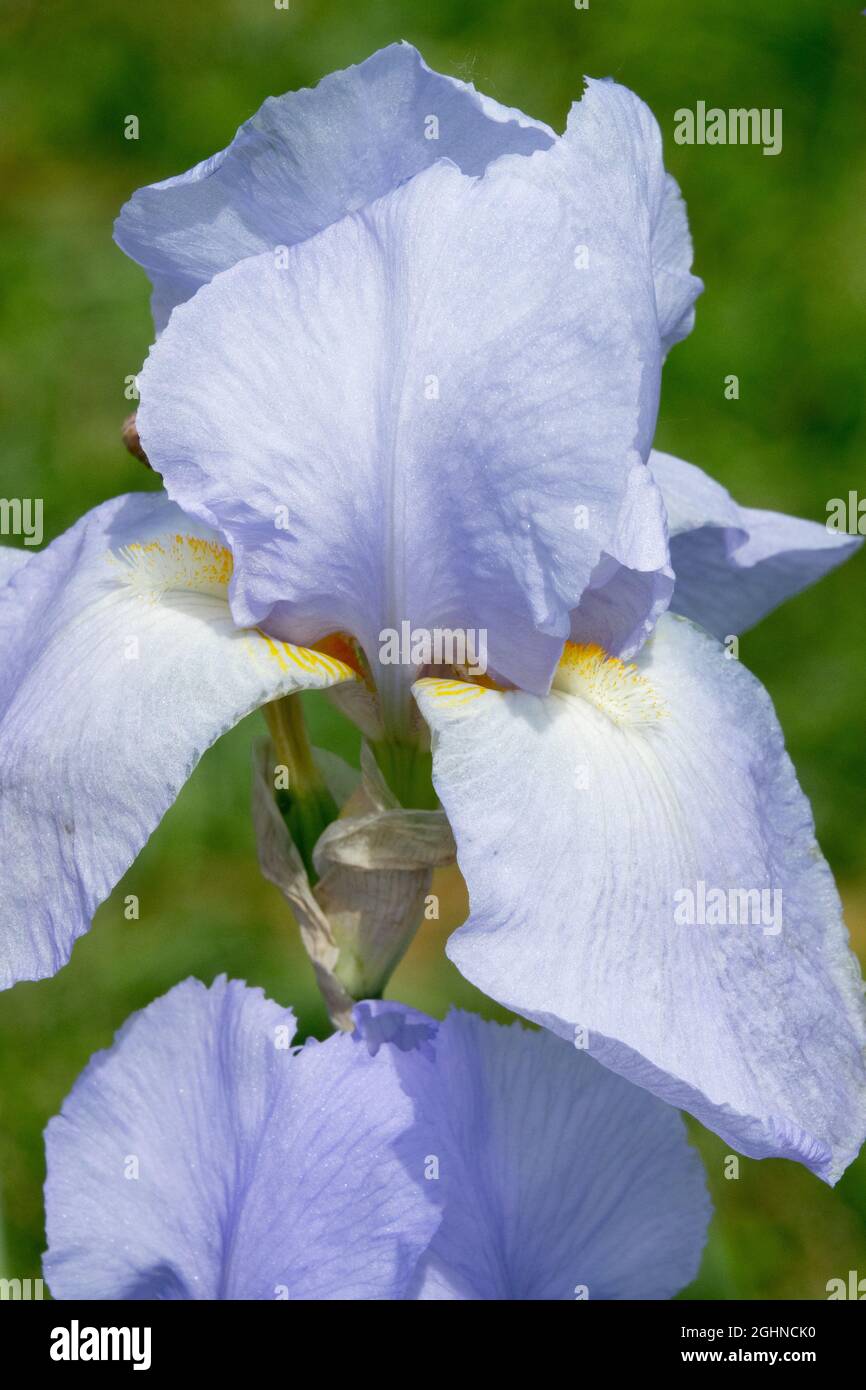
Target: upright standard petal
401	421
307	159
120	666
613	144
642	865
203	1157
734	564
558	1180
632	584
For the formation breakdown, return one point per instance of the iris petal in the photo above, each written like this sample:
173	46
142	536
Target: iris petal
202	1157
558	1180
735	564
120	665
405	421
12	559
307	159
583	823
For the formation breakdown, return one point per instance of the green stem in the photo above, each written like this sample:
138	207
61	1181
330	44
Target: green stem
306	804
407	769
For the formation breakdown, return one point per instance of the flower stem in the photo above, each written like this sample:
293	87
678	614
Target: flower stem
306	804
407	768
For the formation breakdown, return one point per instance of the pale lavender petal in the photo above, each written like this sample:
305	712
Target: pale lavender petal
307	159
734	564
615	141
404	419
583	823
557	1179
119	665
12	559
632	583
202	1157
381	1021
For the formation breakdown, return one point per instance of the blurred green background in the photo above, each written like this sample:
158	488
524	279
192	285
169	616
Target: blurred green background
779	243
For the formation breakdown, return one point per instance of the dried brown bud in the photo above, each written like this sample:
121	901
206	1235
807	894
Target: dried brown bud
129	435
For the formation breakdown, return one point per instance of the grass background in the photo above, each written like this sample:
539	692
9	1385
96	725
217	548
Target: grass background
779	243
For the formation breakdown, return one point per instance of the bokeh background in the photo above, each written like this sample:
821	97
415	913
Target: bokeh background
779	243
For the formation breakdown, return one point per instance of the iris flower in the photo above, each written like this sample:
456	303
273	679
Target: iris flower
407	372
207	1156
